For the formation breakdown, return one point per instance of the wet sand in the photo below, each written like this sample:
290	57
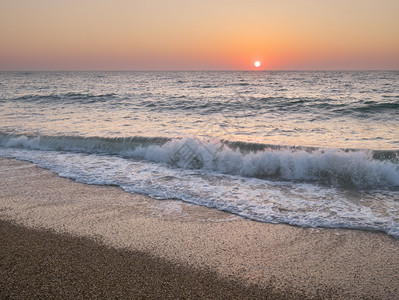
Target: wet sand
63	239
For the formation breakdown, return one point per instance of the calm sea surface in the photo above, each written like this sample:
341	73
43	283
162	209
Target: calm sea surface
314	149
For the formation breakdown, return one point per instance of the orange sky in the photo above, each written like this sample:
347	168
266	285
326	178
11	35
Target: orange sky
198	35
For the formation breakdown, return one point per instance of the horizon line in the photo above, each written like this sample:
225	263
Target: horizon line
208	70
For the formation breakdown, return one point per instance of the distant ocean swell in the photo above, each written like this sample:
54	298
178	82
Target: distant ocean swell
67	97
349	169
252	102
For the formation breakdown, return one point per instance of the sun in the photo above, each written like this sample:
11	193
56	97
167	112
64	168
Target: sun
257	64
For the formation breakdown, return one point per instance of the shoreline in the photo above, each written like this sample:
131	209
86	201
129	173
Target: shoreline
286	261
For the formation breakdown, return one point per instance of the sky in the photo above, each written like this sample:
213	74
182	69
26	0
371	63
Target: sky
199	34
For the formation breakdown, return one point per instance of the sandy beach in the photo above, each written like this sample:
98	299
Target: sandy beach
63	239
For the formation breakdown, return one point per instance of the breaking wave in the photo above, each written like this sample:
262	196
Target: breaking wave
351	169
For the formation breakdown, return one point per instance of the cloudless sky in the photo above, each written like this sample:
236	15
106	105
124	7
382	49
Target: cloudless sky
198	34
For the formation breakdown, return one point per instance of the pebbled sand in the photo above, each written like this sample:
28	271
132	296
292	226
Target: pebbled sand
196	242
43	265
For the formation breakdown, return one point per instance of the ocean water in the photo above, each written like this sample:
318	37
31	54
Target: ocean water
313	149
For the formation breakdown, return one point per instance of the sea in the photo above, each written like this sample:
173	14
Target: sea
311	149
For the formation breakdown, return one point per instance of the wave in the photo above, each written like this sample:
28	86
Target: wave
67	97
112	146
344	168
322	105
373	106
254	104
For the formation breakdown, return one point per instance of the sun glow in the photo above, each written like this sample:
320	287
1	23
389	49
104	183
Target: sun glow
257	64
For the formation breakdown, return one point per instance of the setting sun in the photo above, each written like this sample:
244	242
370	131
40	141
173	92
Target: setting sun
257	64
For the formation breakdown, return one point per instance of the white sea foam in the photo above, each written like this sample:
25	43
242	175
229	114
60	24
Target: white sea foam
302	204
331	167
